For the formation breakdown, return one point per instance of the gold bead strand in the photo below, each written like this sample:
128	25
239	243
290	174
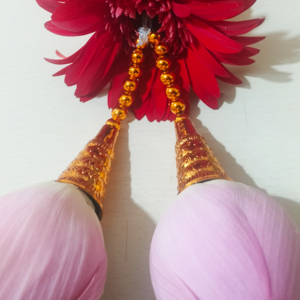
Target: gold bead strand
89	171
167	77
130	85
198	164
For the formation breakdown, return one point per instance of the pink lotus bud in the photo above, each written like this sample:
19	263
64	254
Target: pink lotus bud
51	245
225	240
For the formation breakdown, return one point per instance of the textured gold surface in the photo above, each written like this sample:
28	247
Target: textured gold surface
119	114
154	38
173	92
130	85
125	100
194	159
161	49
137	56
177	107
113	123
167	78
89	170
134	71
163	63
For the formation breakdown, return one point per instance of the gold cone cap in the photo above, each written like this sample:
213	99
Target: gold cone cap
89	170
194	159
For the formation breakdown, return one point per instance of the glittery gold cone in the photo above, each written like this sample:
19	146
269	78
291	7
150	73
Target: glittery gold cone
89	170
194	159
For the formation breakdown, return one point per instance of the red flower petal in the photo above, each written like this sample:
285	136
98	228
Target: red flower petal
236	28
66	60
116	88
203	81
54	29
211	38
92	66
238	59
248	40
159	98
140	112
249	51
202	93
97	88
232	79
86	99
146	81
205	75
234	59
59	54
101	84
61	72
79	66
181	10
79	15
170	116
96	69
202	54
216	10
49	5
183	73
248	4
150	113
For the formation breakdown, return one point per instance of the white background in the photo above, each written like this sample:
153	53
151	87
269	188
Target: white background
255	134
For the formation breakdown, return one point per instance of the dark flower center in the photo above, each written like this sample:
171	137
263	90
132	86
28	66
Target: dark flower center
143	20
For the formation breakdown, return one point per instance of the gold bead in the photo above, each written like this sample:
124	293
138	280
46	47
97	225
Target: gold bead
130	85
163	63
161	49
173	92
177	107
134	71
140	47
125	100
137	56
154	38
119	114
167	78
137	50
113	123
181	117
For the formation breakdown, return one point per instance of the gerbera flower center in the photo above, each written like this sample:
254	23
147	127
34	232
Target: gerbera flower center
143	20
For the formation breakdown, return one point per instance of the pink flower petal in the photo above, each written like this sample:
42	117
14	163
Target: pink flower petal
51	245
225	240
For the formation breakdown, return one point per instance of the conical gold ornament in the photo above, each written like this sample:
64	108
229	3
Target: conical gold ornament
194	159
90	169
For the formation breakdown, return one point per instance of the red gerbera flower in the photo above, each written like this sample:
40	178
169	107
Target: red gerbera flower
195	30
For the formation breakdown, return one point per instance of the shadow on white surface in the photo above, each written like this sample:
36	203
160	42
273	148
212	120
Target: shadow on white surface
233	169
276	50
127	231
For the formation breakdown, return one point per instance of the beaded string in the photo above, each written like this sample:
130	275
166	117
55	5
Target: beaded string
177	106
130	85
